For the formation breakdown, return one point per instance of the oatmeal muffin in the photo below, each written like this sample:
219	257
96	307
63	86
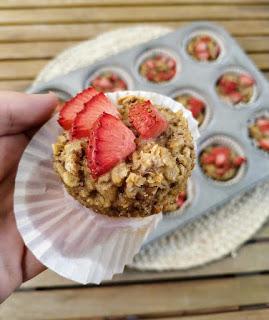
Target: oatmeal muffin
219	162
132	161
194	104
236	87
203	48
259	132
158	68
109	81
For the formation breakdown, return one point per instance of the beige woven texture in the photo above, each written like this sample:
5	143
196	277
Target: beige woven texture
208	238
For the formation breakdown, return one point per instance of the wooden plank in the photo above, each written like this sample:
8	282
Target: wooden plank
49	49
28	50
261	59
250	258
74	31
178	296
260	314
75	3
21	69
14	85
138	14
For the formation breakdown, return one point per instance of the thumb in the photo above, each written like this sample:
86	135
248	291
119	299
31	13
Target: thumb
20	111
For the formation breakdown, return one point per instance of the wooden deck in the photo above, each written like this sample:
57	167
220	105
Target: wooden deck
31	33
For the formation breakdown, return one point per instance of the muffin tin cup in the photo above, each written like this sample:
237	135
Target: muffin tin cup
193	92
68	238
262	112
214	35
232	144
152	52
124	75
239	70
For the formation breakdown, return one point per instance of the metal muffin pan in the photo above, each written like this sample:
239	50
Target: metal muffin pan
226	120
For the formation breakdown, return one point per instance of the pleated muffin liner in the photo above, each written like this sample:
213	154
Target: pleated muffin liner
72	240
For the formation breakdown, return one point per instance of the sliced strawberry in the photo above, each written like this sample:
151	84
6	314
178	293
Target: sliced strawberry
238	161
92	110
196	106
264	144
147	120
221	159
221	171
221	150
246	80
110	142
201	46
73	106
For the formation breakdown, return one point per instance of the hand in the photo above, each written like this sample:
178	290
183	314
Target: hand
20	116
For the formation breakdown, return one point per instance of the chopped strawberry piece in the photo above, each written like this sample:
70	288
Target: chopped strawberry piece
205	38
227	86
182	196
264	144
202	55
147	120
263	125
208	159
238	161
110	142
92	110
73	106
221	171
221	150
196	106
246	80
201	46
235	97
221	159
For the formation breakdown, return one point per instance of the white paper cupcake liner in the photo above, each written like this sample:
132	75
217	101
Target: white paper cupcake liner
68	238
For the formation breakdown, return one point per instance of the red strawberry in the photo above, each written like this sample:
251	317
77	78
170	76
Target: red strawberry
235	97
220	150
208	159
239	160
264	144
246	80
196	106
201	46
263	125
147	120
182	196
221	159
227	86
110	142
92	110
221	171
73	106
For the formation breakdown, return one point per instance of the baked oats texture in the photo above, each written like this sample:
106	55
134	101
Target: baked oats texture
146	183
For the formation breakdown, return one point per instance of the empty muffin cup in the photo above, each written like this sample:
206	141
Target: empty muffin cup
110	79
222	160
259	131
236	87
158	66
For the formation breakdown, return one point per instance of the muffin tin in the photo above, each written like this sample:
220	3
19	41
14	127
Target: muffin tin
227	123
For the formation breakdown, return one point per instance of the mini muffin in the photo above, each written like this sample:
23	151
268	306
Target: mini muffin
131	162
158	68
109	81
220	162
236	87
194	104
259	132
203	48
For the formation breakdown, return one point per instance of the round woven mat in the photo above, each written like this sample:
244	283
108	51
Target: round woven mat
206	239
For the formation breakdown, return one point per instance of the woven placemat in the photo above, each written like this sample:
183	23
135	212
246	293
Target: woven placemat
212	236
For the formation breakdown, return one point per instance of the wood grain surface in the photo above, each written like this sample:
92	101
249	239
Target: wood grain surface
235	288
